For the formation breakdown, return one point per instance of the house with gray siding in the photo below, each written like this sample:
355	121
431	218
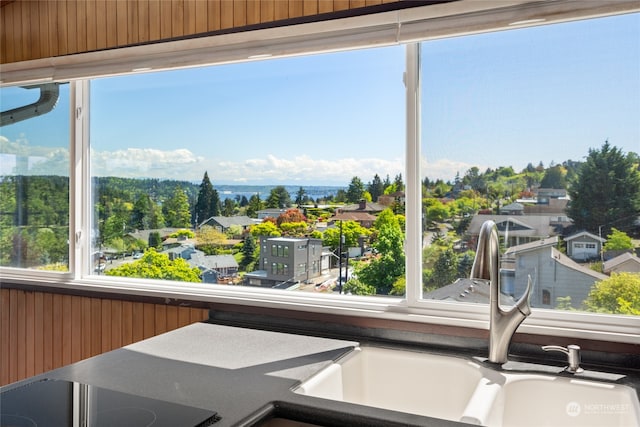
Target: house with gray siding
552	273
514	230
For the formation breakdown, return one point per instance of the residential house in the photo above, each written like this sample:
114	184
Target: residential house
182	251
546	195
363	213
552	274
215	268
223	223
513	231
623	263
584	246
272	212
287	260
512	209
362	206
212	267
549	201
365	219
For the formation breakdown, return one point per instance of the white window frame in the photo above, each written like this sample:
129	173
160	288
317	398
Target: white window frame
407	26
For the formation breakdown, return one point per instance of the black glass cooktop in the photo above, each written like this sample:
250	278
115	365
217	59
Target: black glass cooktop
54	403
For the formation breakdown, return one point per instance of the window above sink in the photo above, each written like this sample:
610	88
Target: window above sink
438	101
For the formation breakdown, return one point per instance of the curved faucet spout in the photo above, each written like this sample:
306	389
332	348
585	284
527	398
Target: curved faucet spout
502	323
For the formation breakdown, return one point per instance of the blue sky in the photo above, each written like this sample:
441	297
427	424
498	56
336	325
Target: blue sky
501	99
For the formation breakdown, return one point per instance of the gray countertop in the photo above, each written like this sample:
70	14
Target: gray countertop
241	373
234	371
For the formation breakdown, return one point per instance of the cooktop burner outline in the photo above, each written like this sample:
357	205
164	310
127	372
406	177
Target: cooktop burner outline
64	403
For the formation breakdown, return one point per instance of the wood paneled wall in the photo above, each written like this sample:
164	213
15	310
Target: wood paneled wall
41	331
33	29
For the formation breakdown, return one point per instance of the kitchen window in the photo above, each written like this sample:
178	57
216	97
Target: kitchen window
449	118
34	177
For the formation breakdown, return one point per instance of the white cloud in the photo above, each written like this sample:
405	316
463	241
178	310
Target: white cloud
304	169
146	162
182	164
445	169
18	157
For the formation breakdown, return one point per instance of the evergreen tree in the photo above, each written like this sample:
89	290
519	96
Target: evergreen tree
355	192
141	212
156	218
155	241
398	182
254	205
606	191
375	188
248	251
278	198
208	202
445	270
301	195
228	207
176	209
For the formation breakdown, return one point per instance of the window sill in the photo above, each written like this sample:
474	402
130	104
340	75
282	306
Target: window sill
547	326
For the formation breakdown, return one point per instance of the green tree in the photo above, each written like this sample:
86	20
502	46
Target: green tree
228	207
279	198
475	179
265	228
355	191
141	212
301	196
618	241
155	241
176	209
210	239
351	230
296	229
254	206
248	251
154	265
606	190
357	287
554	177
208	202
375	188
187	234
114	227
564	303
398	182
619	294
290	215
156	218
436	210
388	266
445	270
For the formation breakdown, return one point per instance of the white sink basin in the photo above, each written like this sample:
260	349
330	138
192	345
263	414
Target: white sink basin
537	400
406	381
457	389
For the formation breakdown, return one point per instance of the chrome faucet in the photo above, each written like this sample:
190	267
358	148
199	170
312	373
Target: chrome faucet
502	324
